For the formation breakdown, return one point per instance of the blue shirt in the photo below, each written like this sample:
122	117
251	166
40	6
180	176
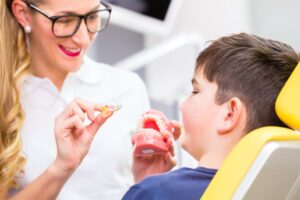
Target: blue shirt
181	184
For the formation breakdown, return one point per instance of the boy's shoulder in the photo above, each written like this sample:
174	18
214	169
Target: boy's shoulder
179	176
183	183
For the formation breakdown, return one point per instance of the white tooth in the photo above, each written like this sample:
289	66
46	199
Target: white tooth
141	124
161	125
148	131
141	131
164	127
72	50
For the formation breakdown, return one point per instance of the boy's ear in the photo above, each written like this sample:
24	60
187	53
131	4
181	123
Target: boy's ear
231	115
21	12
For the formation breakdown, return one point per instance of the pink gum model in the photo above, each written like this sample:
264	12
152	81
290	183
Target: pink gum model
153	131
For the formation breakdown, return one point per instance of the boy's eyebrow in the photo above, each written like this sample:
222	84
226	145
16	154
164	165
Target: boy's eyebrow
194	81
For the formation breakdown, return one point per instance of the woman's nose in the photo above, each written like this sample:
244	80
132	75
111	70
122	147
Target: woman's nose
82	36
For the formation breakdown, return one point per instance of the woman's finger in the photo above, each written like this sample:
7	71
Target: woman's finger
87	107
73	108
76	110
99	120
73	122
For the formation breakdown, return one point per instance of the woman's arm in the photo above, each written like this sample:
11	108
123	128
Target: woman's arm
73	140
3	194
46	186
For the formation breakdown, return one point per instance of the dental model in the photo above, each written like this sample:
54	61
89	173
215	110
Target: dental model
150	137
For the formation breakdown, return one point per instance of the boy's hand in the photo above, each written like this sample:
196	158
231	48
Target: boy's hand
73	137
176	129
145	165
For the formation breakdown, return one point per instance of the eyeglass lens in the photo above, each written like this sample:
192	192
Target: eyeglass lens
67	25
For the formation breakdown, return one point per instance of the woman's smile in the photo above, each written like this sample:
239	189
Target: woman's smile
72	52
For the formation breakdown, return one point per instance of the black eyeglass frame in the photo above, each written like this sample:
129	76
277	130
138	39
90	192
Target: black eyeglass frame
53	19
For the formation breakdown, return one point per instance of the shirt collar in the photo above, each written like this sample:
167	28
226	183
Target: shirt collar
31	82
90	72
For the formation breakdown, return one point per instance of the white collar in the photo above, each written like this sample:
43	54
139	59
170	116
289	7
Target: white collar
90	72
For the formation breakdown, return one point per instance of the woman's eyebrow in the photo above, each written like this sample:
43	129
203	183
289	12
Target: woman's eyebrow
74	13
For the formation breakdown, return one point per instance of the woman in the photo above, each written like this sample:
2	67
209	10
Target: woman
43	44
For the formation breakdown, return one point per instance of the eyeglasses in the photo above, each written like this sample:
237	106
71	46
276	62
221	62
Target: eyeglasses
67	25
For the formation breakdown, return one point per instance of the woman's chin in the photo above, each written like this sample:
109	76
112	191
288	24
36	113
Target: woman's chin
75	68
72	66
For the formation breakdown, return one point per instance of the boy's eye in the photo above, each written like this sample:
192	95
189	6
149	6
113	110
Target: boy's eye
195	92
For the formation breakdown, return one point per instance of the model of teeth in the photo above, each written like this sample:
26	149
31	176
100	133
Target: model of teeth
151	135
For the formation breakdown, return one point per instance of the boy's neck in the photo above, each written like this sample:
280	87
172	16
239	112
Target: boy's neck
213	160
216	152
215	156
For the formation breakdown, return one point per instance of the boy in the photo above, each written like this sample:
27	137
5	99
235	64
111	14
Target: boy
235	85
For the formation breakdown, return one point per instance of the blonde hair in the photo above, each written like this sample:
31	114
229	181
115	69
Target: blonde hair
14	63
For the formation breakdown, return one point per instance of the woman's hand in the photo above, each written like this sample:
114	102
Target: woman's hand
146	165
73	140
73	137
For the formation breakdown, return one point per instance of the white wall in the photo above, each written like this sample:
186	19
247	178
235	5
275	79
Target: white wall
276	19
210	19
214	18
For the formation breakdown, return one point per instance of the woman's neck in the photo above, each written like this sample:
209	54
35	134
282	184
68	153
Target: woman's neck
57	77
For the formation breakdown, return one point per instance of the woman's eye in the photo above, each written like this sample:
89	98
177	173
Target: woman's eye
66	20
195	92
93	16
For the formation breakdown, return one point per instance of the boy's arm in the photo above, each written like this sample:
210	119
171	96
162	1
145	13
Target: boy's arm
153	164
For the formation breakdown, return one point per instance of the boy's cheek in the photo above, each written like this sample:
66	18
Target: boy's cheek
182	140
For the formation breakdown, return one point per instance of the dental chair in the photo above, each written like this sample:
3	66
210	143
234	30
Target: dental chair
265	164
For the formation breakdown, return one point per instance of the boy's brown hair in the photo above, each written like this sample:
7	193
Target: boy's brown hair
250	68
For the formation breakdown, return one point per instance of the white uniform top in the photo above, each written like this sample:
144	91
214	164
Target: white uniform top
105	172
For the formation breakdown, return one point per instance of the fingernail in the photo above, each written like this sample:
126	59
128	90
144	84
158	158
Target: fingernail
106	113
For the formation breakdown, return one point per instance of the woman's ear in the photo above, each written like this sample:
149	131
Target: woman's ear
231	116
21	12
